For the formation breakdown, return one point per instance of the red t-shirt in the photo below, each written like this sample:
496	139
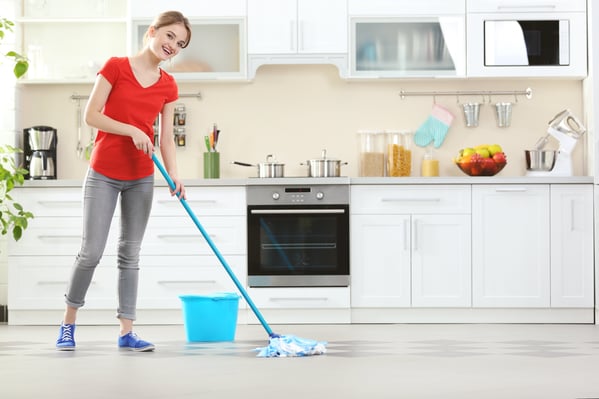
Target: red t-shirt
114	155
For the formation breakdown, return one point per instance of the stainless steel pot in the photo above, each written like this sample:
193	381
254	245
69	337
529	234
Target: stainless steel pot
270	168
324	167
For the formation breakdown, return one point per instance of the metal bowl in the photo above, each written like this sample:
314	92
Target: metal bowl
542	160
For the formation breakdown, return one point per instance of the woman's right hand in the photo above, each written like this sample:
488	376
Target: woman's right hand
142	142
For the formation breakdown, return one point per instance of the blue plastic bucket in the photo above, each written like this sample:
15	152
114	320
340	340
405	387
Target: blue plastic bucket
210	318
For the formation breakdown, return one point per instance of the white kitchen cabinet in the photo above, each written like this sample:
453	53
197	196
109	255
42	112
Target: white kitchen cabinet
67	42
511	246
297	31
191	9
572	246
410	246
175	258
407	39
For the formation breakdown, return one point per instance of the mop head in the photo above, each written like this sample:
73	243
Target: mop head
434	128
291	346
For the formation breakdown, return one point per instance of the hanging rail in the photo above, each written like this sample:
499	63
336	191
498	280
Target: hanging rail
198	95
527	93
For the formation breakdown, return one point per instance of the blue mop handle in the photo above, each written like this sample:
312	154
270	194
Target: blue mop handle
214	249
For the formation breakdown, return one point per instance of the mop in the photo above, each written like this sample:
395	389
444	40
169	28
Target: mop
279	345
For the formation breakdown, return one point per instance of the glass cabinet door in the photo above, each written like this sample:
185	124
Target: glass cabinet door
408	47
217	50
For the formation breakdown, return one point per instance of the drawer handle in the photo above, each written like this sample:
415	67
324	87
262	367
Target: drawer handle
180	236
511	190
57	237
313	299
411	199
59	203
166	282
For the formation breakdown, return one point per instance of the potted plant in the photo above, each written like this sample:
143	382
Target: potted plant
13	218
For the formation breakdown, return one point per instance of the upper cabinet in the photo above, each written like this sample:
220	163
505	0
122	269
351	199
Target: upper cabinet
68	41
407	39
218	44
297	32
538	38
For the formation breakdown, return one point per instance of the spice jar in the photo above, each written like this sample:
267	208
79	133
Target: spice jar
372	155
430	163
399	155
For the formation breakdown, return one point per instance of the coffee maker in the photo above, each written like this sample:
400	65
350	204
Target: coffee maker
39	147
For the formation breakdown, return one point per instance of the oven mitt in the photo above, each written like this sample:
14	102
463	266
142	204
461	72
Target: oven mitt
434	128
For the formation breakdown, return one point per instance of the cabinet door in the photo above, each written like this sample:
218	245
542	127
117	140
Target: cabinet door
510	245
191	9
572	245
297	26
441	259
380	260
272	26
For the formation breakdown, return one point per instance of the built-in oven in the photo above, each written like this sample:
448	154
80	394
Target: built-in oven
298	235
545	37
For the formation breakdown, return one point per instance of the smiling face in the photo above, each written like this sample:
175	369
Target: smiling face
166	41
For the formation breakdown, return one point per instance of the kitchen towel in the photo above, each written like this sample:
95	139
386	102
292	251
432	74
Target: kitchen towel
435	127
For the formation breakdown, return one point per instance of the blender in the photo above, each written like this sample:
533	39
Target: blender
567	130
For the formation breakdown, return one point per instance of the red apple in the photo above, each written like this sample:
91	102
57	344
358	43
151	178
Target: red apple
499	157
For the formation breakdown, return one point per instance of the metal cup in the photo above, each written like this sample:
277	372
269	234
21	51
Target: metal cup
471	113
503	114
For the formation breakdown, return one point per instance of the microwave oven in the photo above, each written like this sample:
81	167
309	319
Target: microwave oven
543	44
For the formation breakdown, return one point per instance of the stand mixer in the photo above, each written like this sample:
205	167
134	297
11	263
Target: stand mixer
566	129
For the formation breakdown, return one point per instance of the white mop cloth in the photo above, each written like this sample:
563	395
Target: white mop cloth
291	346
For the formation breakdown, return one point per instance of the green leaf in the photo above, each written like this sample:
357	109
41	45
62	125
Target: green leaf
20	69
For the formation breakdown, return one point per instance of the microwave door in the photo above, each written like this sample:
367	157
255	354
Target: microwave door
504	44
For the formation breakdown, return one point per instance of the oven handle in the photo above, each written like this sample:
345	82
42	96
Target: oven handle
295	211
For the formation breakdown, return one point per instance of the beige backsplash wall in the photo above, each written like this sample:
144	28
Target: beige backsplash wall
293	112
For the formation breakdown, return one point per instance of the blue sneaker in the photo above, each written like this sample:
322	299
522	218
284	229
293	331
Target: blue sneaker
66	338
131	341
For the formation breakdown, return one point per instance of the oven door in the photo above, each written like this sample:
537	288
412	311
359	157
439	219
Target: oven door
298	246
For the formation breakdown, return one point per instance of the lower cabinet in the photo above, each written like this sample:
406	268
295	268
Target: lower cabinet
414	253
175	258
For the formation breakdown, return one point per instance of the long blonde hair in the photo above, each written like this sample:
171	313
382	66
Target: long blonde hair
170	18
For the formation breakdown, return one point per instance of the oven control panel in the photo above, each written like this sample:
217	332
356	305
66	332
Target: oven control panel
290	195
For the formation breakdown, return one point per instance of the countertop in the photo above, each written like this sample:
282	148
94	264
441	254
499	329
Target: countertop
346	180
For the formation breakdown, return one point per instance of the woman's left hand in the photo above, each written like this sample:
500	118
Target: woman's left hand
179	190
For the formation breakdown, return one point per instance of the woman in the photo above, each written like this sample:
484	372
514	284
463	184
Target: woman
126	99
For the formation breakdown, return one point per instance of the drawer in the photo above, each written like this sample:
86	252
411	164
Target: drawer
162	279
180	236
39	282
202	201
385	200
300	298
49	201
57	236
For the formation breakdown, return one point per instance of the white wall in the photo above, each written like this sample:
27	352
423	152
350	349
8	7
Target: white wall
294	112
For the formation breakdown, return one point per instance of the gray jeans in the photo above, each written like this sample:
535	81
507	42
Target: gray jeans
100	197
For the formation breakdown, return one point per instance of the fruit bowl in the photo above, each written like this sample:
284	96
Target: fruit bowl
481	168
482	160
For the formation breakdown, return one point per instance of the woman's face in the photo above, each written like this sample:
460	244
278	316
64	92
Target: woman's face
167	41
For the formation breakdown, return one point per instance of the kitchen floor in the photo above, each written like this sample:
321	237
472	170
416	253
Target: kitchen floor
362	361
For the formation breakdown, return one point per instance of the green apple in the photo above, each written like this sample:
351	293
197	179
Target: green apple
483	152
494	149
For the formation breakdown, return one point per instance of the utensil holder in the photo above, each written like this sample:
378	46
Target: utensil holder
503	114
471	114
211	165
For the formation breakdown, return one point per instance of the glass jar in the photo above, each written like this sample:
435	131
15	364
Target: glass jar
399	154
430	163
372	154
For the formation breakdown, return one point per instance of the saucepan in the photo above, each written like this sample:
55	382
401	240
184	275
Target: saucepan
324	167
270	168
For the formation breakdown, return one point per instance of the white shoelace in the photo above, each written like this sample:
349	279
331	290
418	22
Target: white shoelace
67	334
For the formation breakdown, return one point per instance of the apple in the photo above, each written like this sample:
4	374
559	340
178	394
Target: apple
494	149
483	152
489	166
499	157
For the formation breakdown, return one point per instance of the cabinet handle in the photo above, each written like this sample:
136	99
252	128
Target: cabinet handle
572	215
54	204
411	199
536	7
406	231
292	35
304	299
59	237
415	234
511	190
301	36
179	236
166	282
